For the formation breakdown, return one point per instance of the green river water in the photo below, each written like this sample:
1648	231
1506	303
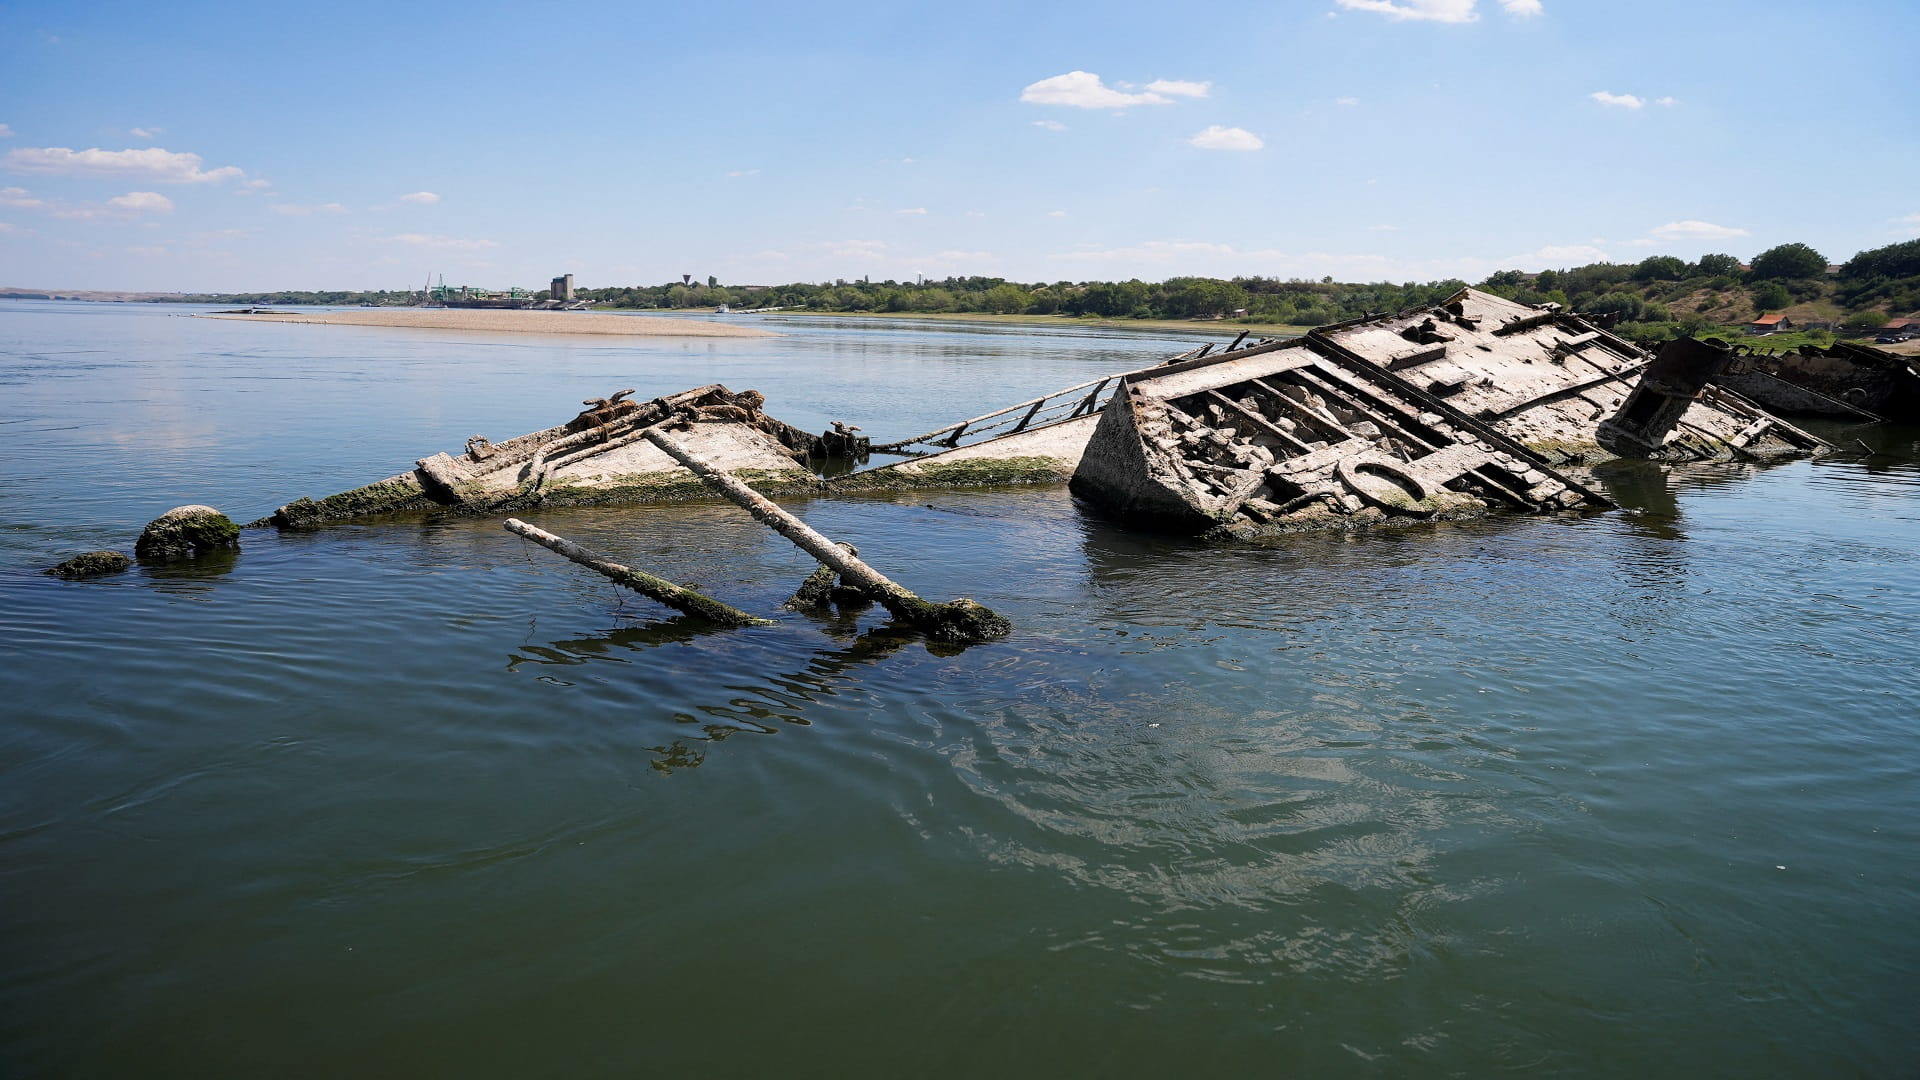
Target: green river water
1635	794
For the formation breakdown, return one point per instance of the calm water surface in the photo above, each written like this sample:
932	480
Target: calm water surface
1630	795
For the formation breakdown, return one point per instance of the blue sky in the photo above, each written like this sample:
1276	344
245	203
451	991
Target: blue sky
242	147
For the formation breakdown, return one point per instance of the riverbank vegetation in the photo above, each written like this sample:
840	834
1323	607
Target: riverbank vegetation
1659	297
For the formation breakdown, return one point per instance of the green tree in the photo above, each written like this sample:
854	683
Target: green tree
1788	262
1863	322
1771	297
1715	265
1894	261
1627	306
1660	268
1005	299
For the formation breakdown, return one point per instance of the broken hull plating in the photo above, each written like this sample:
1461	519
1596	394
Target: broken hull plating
1293	435
598	457
1844	379
1560	386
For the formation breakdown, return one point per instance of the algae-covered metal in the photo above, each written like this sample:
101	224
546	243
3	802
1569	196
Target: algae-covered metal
1287	435
1565	388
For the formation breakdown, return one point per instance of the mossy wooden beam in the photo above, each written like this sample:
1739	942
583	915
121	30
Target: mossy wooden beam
960	621
666	592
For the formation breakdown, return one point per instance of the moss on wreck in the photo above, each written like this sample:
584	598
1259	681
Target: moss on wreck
92	564
971	472
386	496
1569	452
675	486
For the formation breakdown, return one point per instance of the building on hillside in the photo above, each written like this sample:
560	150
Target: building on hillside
1897	330
1770	324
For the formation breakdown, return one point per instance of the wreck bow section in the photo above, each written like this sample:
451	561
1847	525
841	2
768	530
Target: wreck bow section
1565	388
599	456
1296	435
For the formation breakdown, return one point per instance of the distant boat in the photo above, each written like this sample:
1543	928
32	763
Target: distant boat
723	310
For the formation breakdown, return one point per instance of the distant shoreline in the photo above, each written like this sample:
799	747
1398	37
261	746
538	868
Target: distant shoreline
1209	326
511	322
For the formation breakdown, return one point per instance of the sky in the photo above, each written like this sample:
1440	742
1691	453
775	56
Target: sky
216	147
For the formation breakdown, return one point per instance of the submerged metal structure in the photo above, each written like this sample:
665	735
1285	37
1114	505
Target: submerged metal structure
1297	435
1845	379
1566	389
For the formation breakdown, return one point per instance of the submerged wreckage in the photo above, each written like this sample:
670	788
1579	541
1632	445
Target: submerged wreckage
1476	404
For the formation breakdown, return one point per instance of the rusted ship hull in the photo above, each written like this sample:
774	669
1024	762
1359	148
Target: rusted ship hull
1561	386
1845	380
1293	435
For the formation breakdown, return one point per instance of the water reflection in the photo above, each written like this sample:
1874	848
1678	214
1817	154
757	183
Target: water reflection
761	706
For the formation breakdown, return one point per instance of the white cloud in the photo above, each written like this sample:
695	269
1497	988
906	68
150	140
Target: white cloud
917	210
1623	101
149	251
142	201
1177	88
1909	224
1694	230
1346	101
298	210
1084	90
144	133
424	198
20	197
8	227
5	132
1669	102
1056	213
737	173
856	249
1562	255
153	163
439	243
1226	138
1522	9
1050	125
1447	11
1383	228
257	185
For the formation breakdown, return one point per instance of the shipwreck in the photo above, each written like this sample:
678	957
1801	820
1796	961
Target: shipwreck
600	456
1844	380
1472	405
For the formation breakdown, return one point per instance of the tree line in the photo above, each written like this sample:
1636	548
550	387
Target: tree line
1660	296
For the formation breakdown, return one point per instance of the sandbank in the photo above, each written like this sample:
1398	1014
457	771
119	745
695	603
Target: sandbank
512	322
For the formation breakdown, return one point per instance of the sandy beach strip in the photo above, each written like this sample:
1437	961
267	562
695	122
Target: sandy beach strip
512	322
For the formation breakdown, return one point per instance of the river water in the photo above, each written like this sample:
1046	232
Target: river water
1630	794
